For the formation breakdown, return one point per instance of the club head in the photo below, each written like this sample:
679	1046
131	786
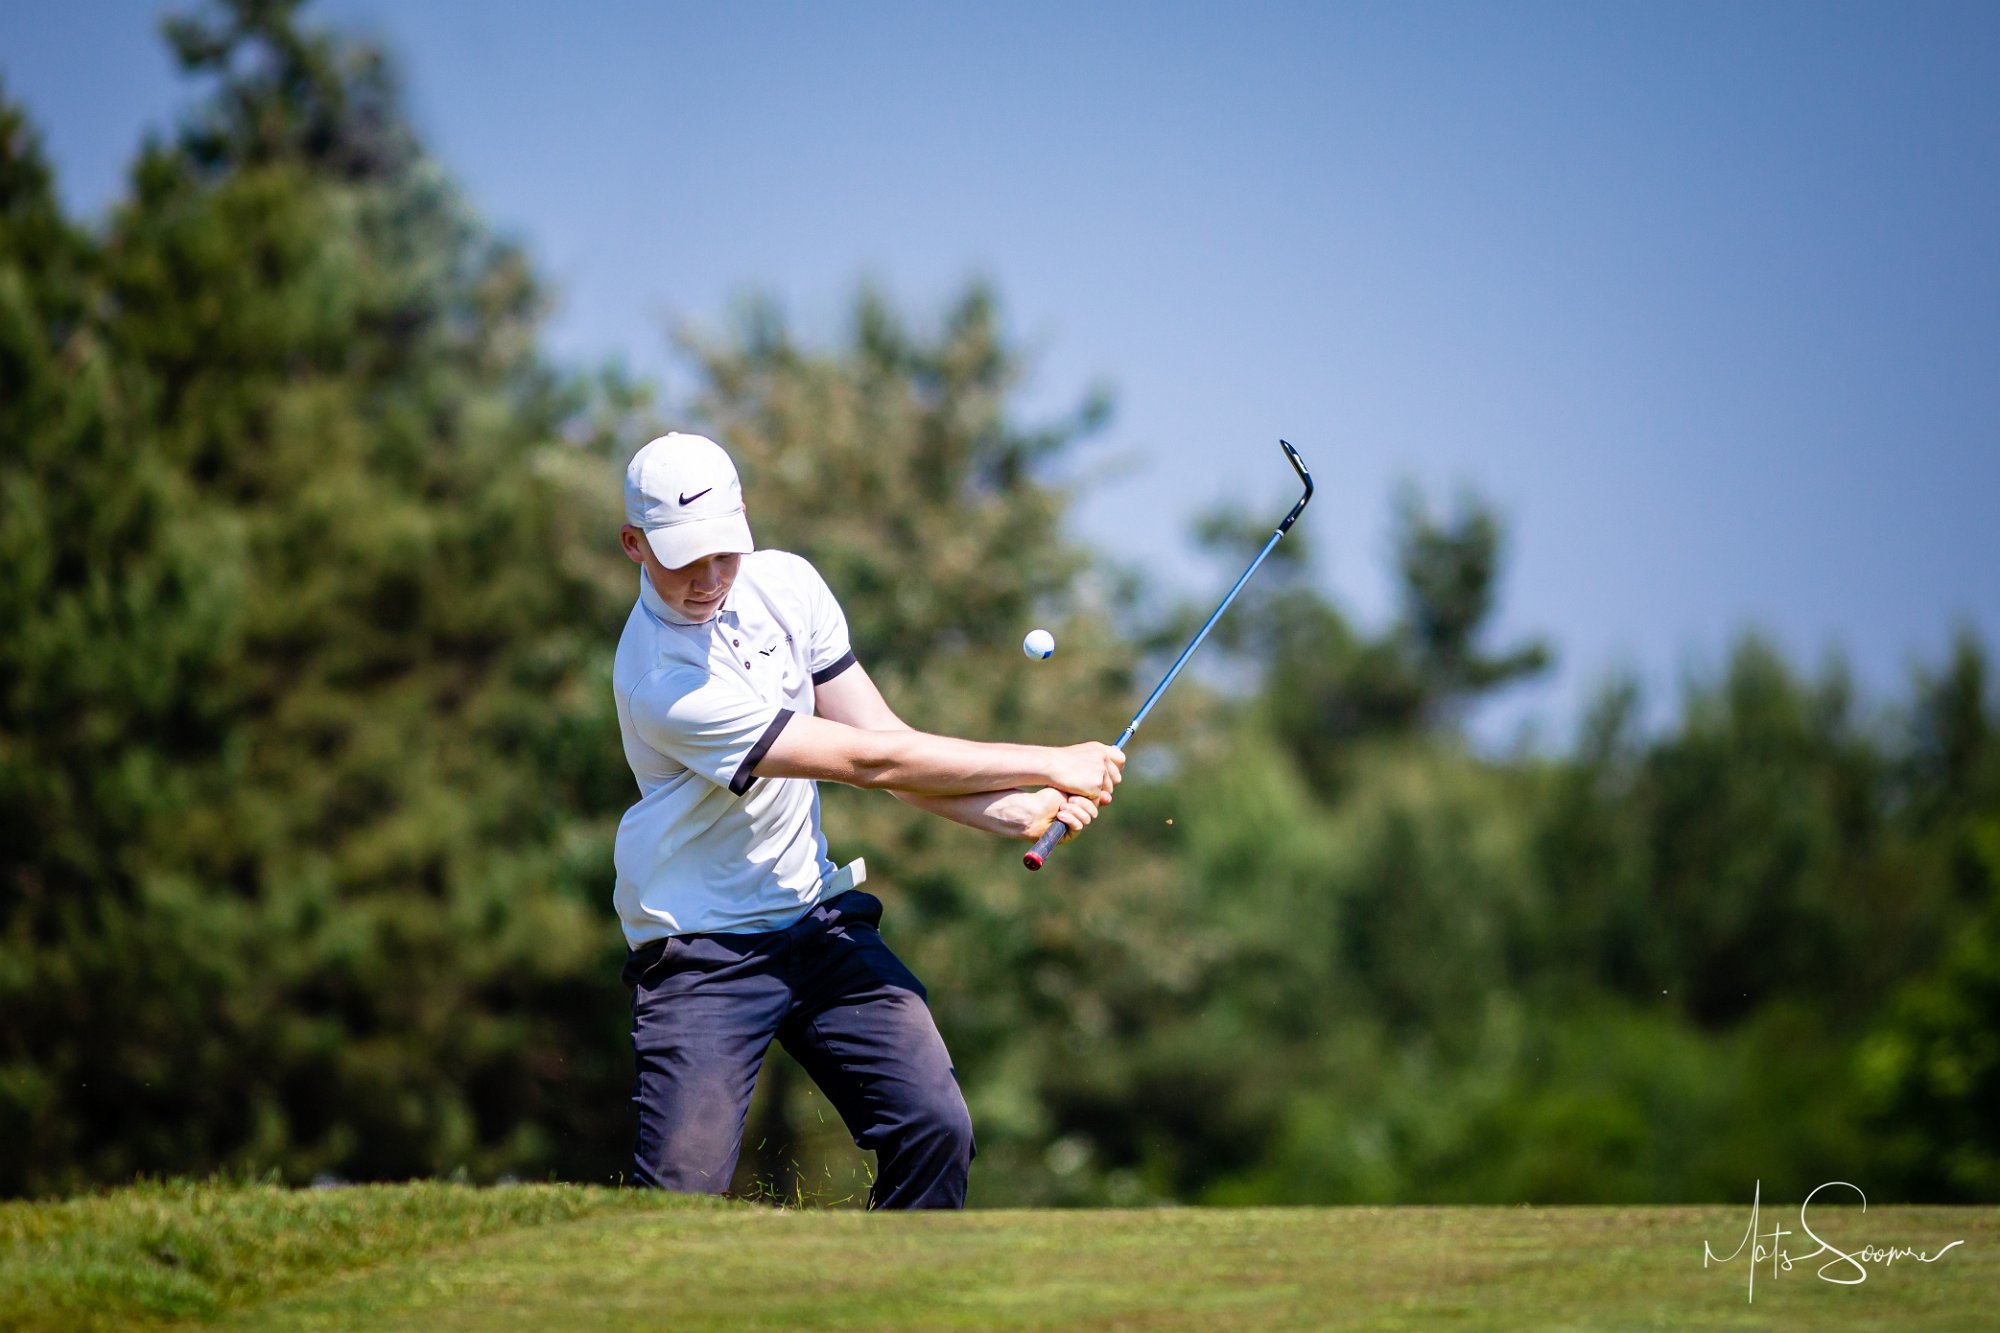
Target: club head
1298	466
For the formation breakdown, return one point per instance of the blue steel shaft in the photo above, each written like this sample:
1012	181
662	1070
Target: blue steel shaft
1188	652
1058	831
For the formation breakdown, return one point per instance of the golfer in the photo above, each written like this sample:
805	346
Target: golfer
737	692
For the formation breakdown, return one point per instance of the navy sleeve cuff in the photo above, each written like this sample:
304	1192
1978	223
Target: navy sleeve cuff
744	777
834	668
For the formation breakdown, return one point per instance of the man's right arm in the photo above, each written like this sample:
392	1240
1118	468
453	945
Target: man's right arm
917	761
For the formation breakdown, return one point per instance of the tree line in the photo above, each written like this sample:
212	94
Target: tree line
309	765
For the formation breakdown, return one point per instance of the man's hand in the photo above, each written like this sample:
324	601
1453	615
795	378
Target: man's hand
1091	769
1025	814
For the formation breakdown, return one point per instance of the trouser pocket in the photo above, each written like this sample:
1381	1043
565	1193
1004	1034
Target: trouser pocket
649	961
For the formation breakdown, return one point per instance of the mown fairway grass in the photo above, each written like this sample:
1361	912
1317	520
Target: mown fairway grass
441	1257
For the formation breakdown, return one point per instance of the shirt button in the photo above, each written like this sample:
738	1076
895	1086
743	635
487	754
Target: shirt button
746	666
736	643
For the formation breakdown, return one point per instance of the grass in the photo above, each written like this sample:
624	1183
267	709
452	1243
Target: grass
441	1257
180	1251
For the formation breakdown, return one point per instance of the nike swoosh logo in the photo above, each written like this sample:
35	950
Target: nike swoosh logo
768	651
690	499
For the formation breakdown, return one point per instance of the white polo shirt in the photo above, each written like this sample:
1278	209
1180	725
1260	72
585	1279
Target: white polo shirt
709	847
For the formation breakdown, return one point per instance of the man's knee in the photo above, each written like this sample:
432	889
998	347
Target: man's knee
928	1155
699	1163
948	1122
690	1133
937	1126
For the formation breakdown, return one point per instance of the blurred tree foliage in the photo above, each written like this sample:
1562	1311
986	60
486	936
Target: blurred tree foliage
308	765
303	708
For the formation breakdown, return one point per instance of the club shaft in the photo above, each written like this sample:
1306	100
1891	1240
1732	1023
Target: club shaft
1188	651
1057	831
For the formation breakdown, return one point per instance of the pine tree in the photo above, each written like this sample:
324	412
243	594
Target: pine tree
314	743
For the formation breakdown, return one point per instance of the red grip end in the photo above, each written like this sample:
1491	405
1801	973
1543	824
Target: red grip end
1039	851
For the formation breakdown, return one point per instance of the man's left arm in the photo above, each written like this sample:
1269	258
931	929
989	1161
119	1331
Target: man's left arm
851	697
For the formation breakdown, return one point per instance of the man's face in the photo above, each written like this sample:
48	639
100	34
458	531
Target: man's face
692	592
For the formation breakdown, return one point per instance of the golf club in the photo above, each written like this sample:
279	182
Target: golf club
1058	830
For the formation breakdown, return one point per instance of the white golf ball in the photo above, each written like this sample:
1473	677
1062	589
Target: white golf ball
1040	645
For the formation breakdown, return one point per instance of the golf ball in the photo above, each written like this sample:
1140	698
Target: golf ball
1040	645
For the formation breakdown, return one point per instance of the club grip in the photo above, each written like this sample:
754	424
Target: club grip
1045	844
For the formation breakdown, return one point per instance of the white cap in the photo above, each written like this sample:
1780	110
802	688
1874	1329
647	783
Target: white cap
683	492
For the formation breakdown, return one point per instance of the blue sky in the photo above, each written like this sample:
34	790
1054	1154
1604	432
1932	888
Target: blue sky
1704	296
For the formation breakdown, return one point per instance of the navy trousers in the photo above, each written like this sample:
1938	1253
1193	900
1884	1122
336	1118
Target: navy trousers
705	1008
